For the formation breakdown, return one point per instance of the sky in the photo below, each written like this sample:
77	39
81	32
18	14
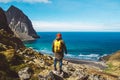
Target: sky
70	15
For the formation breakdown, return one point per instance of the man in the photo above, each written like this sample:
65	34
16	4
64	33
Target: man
58	48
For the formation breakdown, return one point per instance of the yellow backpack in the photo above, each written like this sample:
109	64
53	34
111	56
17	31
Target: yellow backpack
57	46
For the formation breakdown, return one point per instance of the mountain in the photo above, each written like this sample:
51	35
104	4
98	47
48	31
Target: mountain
7	37
3	22
20	24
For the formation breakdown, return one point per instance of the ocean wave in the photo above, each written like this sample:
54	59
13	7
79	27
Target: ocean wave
70	55
93	57
80	56
75	56
104	55
89	56
45	51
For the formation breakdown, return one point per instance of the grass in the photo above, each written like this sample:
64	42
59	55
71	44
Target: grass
18	67
112	69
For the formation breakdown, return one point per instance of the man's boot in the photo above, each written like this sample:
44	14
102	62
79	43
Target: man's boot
55	69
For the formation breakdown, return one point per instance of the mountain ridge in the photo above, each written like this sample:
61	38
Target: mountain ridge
20	24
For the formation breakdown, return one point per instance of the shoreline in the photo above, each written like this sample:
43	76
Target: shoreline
99	64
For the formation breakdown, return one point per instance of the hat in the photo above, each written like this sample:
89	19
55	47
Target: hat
59	35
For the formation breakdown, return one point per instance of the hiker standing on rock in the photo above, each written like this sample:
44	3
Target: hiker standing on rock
58	48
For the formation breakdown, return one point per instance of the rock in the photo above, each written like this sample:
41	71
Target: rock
69	73
69	68
41	77
65	62
9	54
6	35
52	76
50	58
96	77
119	78
64	74
2	75
3	22
20	24
25	73
37	62
3	47
82	77
3	62
16	60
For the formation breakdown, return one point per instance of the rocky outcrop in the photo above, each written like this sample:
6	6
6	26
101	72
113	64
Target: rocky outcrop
6	35
76	72
25	73
20	24
3	22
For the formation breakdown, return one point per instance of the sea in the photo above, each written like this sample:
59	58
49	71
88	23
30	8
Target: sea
80	45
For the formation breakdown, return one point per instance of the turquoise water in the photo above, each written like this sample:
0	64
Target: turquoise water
80	45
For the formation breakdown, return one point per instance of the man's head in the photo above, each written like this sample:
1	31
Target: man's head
59	36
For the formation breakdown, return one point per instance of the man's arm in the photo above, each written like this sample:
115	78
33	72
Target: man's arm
64	47
53	47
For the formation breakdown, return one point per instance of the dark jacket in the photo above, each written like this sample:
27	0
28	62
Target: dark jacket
64	50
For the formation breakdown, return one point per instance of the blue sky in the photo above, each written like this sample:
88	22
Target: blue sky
70	15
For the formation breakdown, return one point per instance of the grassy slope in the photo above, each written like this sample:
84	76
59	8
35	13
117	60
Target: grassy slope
114	64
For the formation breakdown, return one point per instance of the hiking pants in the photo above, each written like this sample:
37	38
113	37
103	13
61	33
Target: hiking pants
60	63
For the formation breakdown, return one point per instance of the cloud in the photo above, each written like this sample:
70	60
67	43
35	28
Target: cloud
66	26
28	1
5	1
75	26
35	1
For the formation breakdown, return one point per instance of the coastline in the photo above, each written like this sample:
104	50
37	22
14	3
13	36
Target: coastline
98	64
92	63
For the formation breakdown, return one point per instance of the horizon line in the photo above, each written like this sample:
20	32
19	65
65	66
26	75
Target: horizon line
79	31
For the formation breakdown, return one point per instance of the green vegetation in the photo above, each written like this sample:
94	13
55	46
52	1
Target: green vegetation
113	62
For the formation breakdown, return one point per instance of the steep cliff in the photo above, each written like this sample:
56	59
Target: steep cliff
3	22
6	35
20	24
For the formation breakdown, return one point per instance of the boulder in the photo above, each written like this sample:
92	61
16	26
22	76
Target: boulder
25	73
65	62
3	47
50	76
41	77
96	77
